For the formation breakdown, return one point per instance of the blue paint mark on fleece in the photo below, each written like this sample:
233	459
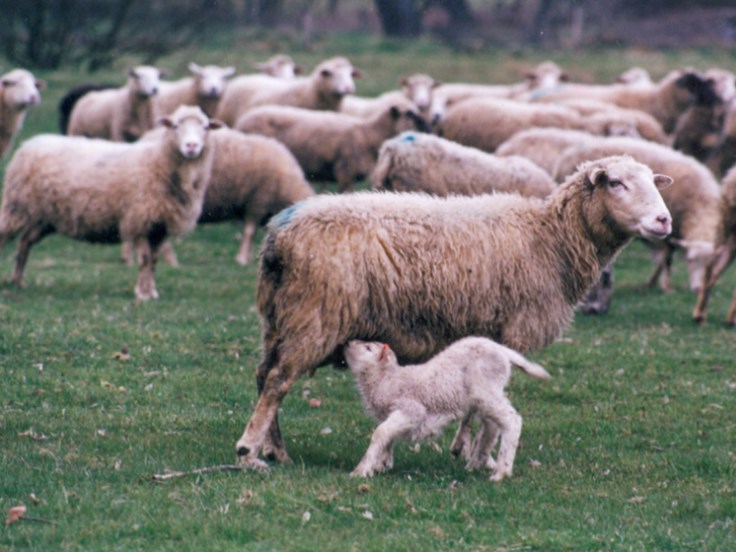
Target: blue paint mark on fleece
408	137
283	217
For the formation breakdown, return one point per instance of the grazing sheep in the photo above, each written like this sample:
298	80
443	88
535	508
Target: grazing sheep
419	272
414	162
252	178
465	381
122	114
417	88
332	146
725	251
693	202
105	192
665	100
699	128
324	89
280	66
486	123
19	90
67	103
204	88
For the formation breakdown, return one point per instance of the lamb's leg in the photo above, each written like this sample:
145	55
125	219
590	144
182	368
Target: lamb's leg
145	287
509	423
382	440
461	442
246	244
485	441
27	240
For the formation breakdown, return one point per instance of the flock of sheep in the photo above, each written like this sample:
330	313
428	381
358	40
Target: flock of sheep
500	208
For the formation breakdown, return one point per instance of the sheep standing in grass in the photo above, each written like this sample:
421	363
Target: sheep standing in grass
105	192
332	146
419	272
416	162
19	90
204	88
464	381
120	114
725	251
694	202
324	89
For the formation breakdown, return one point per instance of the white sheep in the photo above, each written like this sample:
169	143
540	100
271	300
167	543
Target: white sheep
204	88
332	145
280	66
323	89
465	381
419	272
418	88
120	114
635	76
99	191
19	90
694	202
417	162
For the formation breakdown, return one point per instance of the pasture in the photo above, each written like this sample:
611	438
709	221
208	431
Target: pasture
629	447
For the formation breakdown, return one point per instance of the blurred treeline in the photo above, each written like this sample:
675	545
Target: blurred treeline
48	34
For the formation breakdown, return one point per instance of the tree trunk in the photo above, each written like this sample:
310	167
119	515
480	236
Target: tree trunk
399	18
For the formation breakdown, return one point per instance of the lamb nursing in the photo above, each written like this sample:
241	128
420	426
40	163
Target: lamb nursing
466	380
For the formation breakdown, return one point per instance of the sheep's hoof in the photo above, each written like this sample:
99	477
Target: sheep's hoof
499	475
361	473
253	464
242	261
699	319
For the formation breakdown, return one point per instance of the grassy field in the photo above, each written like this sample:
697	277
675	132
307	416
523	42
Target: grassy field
629	447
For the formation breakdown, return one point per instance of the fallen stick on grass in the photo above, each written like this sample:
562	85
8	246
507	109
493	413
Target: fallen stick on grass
211	469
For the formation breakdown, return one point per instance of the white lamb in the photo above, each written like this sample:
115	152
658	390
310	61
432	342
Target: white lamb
465	381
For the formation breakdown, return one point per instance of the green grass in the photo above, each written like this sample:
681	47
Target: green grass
632	439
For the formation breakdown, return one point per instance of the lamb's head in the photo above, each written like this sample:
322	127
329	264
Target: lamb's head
20	89
698	253
404	116
418	88
280	66
211	79
188	127
145	80
335	77
626	196
545	75
363	356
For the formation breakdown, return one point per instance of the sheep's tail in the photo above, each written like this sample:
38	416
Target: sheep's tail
531	368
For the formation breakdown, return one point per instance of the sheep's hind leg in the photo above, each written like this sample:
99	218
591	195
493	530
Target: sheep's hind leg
509	423
246	243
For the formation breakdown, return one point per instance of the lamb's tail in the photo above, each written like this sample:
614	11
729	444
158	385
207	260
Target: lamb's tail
527	366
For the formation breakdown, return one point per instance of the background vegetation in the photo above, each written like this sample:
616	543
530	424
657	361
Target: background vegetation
629	447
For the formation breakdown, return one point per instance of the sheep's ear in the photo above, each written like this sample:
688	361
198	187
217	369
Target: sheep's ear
165	121
229	71
215	124
564	76
662	181
403	81
598	176
385	350
40	84
299	69
194	68
131	72
690	80
395	112
436	83
357	73
164	73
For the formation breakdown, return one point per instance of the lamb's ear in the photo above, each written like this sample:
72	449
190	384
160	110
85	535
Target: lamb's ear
662	181
385	350
215	124
165	121
598	176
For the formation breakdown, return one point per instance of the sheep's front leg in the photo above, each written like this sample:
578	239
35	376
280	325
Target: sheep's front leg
145	287
663	269
374	459
246	244
461	442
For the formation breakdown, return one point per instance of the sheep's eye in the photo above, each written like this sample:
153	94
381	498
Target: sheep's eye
616	183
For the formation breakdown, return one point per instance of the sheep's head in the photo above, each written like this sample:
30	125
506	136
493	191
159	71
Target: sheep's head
628	191
363	356
145	79
545	75
20	89
211	79
336	77
406	116
636	76
189	125
280	66
418	88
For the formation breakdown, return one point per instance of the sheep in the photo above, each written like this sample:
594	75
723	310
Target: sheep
693	202
466	380
332	145
280	66
324	89
698	129
19	90
665	100
67	103
723	156
252	178
99	191
486	123
418	88
725	252
414	162
419	272
204	88
635	76
121	114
